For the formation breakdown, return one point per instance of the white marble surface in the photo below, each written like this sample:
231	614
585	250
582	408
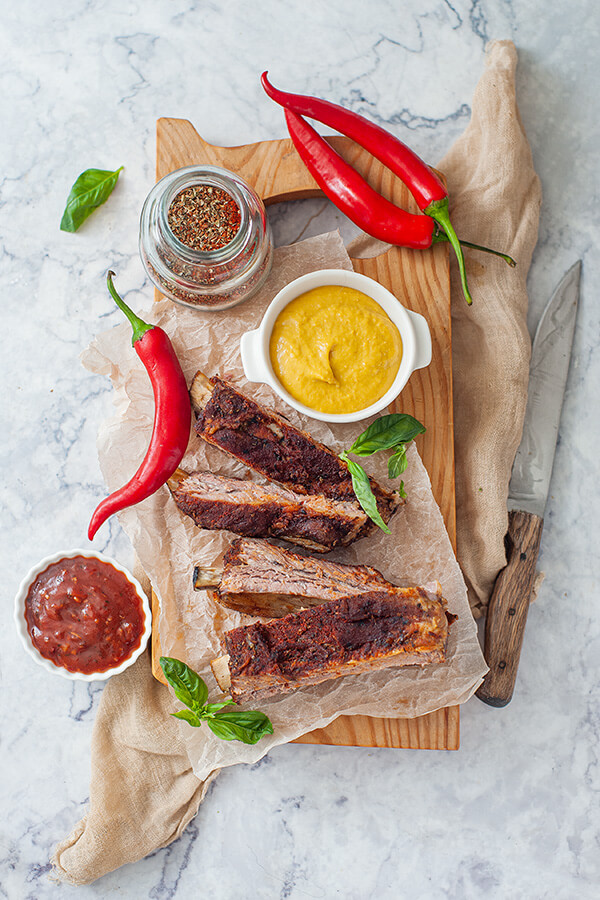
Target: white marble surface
514	813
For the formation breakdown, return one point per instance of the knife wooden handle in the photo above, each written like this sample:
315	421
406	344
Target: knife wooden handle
508	608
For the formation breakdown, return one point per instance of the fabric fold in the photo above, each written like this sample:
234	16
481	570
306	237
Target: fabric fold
143	791
495	198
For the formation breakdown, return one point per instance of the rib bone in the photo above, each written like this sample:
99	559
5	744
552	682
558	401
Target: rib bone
200	391
220	669
206	577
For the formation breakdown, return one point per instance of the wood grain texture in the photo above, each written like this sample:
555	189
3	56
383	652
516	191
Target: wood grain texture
421	281
508	608
436	731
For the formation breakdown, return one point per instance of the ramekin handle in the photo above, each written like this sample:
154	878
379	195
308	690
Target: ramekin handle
252	356
422	339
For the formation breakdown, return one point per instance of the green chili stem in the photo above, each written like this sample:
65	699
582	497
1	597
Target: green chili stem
441	237
139	326
507	259
438	210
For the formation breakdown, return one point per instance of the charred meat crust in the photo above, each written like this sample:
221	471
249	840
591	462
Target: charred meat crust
269	444
347	636
254	510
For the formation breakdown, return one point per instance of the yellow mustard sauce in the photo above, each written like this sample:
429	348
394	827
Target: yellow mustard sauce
335	350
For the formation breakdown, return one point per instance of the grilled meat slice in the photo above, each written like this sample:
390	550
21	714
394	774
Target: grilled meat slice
269	444
348	636
259	579
257	510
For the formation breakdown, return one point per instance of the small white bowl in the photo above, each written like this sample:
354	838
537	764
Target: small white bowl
21	622
413	328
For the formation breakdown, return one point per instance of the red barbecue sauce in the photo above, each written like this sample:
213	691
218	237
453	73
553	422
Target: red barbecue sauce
84	615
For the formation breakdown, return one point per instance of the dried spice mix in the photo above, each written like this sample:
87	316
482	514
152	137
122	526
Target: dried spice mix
205	239
204	217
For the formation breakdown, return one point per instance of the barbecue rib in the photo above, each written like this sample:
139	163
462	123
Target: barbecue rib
257	510
269	444
259	579
347	636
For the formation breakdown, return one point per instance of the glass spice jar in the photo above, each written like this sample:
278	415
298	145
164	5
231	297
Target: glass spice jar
205	240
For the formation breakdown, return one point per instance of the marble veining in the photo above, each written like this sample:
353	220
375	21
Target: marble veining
514	813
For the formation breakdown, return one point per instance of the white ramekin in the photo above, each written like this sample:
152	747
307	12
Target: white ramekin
22	624
413	328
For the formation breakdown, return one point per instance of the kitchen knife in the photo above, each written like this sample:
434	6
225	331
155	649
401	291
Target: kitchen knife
528	490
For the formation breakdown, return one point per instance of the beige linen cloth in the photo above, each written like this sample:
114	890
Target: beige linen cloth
143	791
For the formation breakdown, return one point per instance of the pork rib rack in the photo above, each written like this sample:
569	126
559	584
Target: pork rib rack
272	446
347	636
259	579
257	510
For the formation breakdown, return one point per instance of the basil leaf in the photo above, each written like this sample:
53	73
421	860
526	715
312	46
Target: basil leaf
401	490
385	433
364	494
245	726
188	716
251	719
398	462
211	708
188	686
91	190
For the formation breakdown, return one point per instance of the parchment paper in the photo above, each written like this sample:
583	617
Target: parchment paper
168	544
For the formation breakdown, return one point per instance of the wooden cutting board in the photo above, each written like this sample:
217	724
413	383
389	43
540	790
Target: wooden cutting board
420	279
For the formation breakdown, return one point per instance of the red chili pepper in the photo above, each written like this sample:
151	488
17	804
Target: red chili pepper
331	171
424	185
351	193
172	417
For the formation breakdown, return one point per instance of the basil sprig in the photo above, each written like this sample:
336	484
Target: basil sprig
91	190
362	488
247	726
393	432
387	433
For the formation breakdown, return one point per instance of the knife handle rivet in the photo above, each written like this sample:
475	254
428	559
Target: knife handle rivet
502	664
523	556
512	611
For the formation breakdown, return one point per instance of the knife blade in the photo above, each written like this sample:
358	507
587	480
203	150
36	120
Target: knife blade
528	490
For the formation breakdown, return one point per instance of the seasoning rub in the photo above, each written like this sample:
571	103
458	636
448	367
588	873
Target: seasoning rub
204	217
347	636
272	446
